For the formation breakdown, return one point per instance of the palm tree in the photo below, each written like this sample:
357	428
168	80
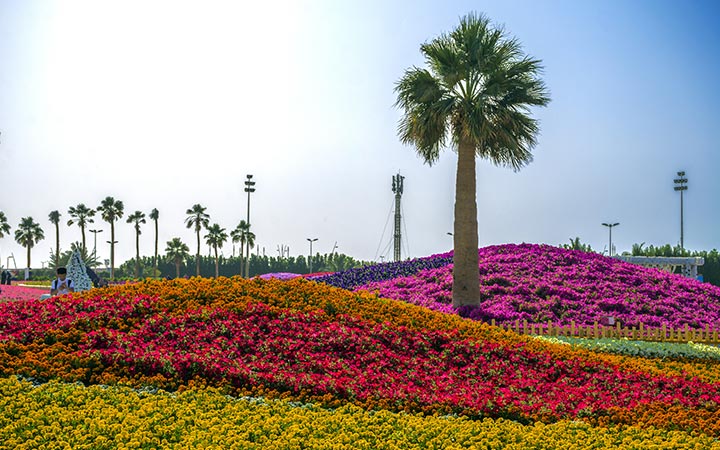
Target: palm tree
111	210
82	215
28	234
154	215
216	237
177	252
199	219
138	217
54	217
475	96
238	235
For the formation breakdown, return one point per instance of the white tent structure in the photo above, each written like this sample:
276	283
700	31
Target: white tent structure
77	272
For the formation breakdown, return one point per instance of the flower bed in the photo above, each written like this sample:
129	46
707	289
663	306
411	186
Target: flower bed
60	415
15	292
280	275
690	350
540	283
306	341
352	278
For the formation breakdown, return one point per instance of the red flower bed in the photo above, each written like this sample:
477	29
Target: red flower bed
364	362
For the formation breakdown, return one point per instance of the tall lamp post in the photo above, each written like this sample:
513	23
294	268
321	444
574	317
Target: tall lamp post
249	188
95	232
610	227
681	185
310	259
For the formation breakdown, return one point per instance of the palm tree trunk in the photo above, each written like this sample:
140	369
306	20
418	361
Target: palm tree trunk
82	230
57	245
28	260
137	253
112	250
216	263
177	268
466	286
242	258
197	261
247	261
155	259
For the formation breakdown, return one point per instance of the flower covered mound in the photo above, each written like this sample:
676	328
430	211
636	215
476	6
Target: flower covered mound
540	283
310	342
57	415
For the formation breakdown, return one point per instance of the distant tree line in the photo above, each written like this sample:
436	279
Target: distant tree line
230	266
227	266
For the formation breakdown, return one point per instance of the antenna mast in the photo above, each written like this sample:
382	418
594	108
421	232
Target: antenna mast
397	188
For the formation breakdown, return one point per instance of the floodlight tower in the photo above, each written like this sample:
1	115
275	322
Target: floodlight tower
249	188
397	188
681	185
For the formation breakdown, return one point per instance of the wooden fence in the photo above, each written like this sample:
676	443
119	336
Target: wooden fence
595	331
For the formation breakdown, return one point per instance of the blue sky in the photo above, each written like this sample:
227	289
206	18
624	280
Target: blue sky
166	104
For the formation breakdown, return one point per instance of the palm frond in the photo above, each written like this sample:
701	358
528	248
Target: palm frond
216	236
28	232
4	225
427	108
446	63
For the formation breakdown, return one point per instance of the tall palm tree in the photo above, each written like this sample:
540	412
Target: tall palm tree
475	97
177	252
198	218
4	227
82	215
137	218
238	235
154	215
110	211
54	217
215	238
28	234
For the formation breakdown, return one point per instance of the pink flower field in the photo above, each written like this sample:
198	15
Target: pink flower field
14	292
540	283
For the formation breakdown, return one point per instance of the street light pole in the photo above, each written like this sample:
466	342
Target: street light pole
112	267
249	188
681	186
610	227
95	232
310	259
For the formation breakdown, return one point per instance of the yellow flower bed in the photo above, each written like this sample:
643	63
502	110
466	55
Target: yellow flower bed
58	416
